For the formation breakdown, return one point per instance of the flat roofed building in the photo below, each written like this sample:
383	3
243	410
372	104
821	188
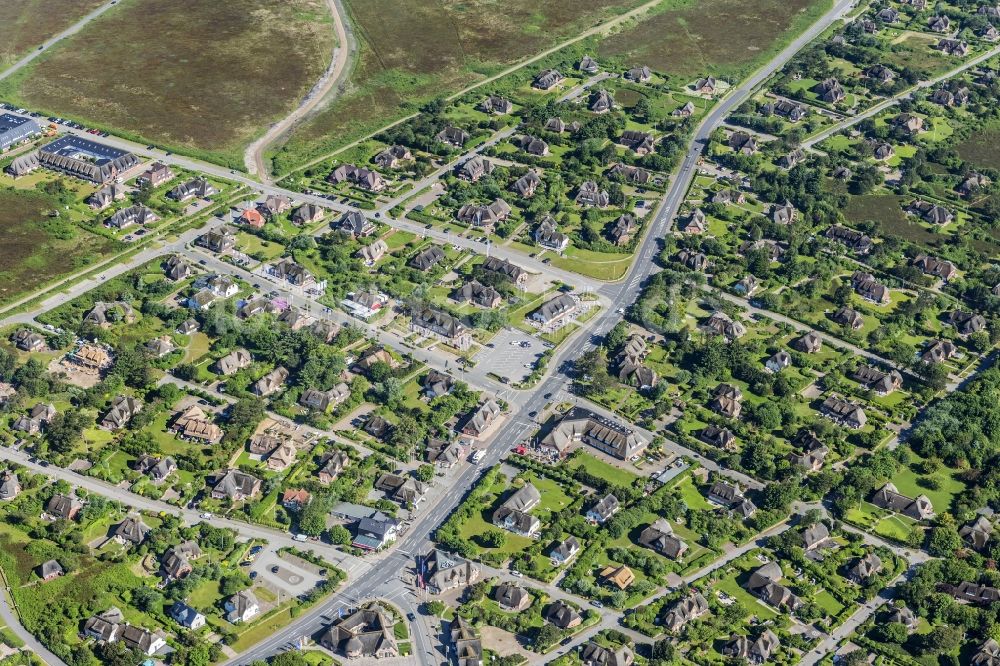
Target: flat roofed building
16	129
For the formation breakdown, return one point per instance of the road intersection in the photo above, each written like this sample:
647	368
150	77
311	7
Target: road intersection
377	575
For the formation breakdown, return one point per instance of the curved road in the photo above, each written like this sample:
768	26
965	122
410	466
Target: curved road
13	622
418	537
379	579
343	52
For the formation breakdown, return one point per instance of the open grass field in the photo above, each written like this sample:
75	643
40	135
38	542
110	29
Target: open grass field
599	265
201	77
38	249
722	37
432	49
24	24
730	586
603	470
887	210
907	481
981	147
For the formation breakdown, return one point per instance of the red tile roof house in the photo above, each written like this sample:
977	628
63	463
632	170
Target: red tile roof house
295	499
252	218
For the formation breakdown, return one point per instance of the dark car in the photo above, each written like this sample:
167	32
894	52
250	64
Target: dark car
411	617
532	414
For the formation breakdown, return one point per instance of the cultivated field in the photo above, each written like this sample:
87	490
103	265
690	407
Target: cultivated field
36	248
24	24
433	49
721	37
204	77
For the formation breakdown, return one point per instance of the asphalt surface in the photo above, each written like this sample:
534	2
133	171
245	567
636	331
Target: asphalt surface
896	99
13	623
378	574
418	538
49	43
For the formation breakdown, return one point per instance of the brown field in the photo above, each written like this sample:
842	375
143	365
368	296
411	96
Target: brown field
37	249
24	24
435	48
887	210
720	37
980	148
203	77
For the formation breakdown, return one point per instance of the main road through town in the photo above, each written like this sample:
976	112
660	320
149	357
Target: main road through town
418	537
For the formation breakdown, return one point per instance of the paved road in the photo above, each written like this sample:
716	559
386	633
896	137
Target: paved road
600	28
156	249
366	579
895	99
612	620
344	51
49	43
418	539
805	328
852	623
276	538
13	623
644	266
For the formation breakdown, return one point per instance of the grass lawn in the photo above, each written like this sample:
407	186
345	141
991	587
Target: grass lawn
602	470
317	658
556	337
398	239
257	247
692	497
598	265
554	498
205	595
197	348
895	527
477	525
169	444
733	589
827	602
262	629
907	481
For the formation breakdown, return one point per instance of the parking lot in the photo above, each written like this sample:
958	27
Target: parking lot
508	360
289	579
